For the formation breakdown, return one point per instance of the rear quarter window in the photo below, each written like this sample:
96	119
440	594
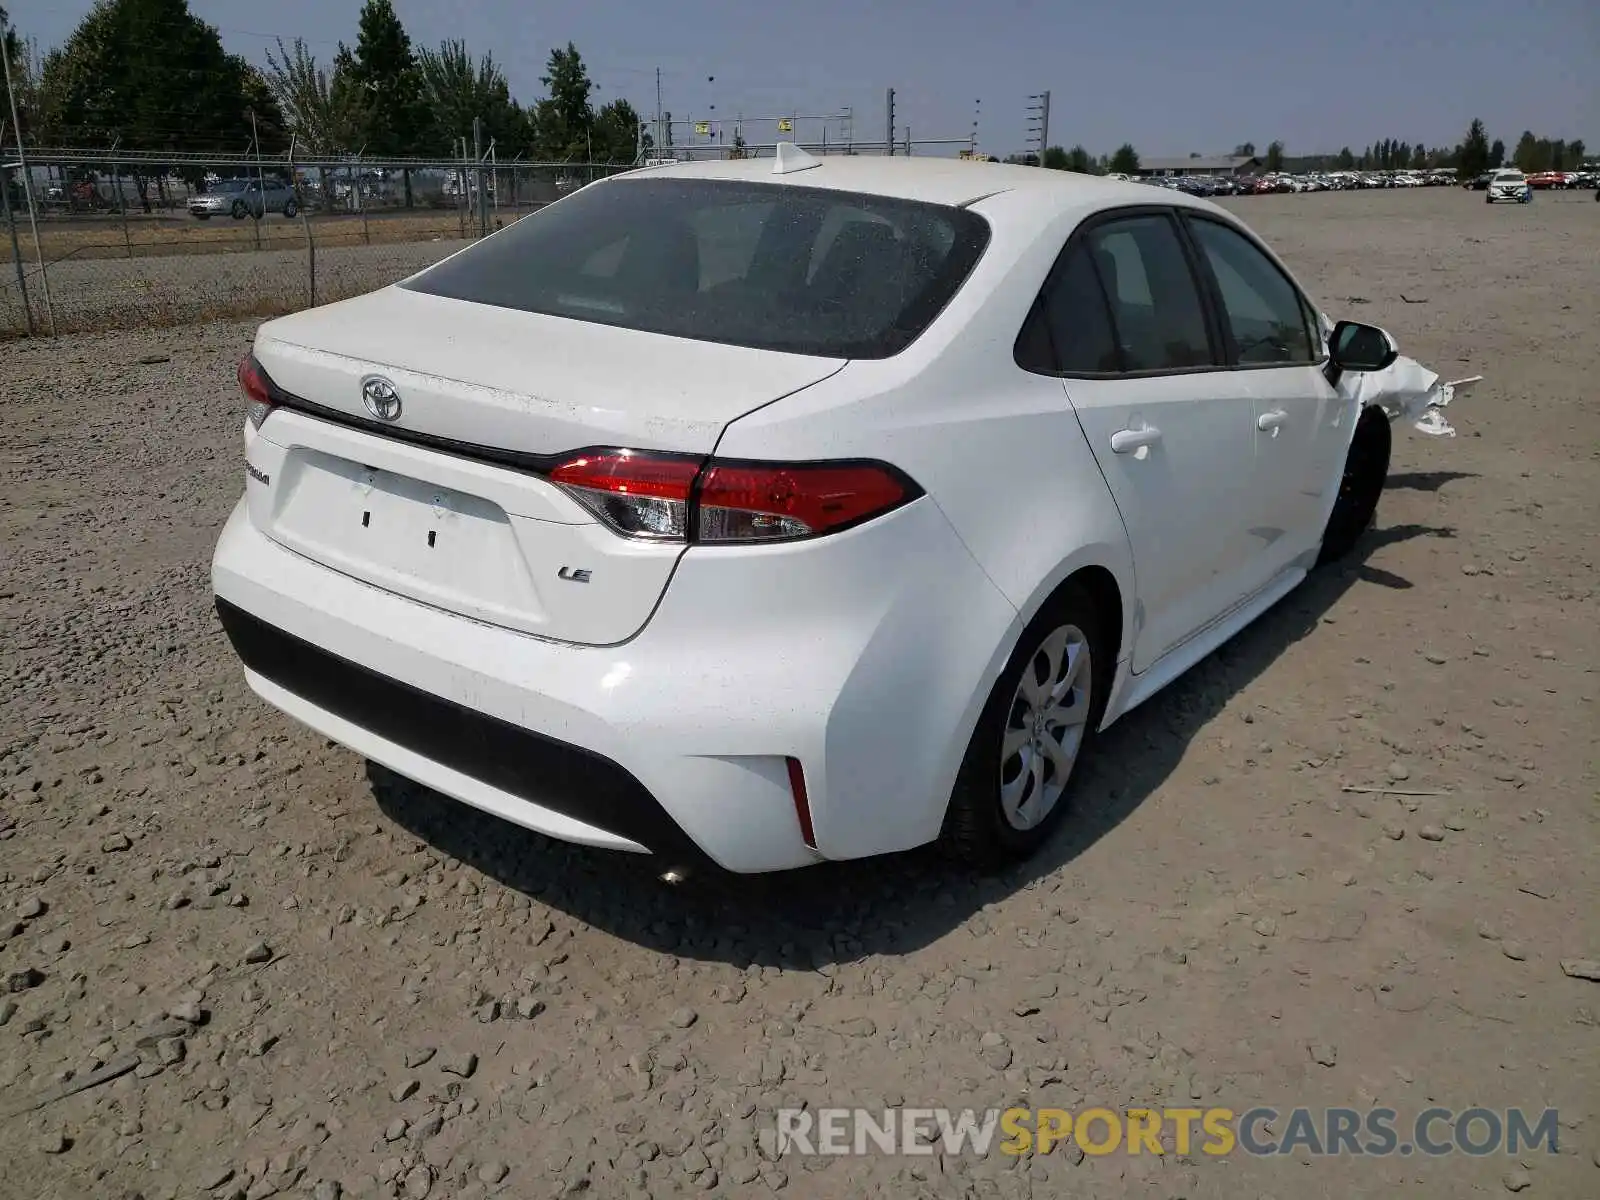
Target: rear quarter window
770	266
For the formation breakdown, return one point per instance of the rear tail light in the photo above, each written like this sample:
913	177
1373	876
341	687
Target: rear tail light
681	498
256	388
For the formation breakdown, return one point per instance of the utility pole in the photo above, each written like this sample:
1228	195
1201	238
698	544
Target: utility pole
889	139
477	157
659	140
977	114
1039	122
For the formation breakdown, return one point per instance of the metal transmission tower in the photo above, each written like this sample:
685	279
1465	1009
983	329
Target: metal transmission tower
890	138
1039	123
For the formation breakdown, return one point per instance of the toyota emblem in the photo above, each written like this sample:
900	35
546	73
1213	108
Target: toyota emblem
380	398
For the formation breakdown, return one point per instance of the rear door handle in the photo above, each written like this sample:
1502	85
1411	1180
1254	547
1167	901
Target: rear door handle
1126	441
1271	420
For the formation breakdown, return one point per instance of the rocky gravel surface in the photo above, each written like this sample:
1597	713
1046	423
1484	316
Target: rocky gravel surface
1350	859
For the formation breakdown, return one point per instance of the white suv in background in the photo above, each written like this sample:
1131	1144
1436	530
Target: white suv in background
1509	185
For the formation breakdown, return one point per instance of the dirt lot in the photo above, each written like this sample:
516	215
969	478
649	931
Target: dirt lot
329	980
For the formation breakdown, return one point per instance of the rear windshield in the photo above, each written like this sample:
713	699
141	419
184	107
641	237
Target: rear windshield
769	266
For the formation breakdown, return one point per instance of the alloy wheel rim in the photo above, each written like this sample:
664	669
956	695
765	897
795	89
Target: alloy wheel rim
1045	727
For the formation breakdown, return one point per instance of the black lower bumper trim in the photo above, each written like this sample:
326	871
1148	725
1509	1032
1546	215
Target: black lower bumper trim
556	775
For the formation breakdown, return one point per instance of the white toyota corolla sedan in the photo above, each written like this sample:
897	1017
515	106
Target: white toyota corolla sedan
769	512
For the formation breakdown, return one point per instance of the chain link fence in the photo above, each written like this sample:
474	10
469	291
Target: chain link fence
127	241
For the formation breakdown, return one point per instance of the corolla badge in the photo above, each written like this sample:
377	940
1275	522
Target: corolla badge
380	398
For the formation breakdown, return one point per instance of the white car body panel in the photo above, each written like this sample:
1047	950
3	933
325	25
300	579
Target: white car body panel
705	672
497	377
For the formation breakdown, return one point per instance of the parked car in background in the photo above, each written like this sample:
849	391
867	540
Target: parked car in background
839	547
241	198
1509	184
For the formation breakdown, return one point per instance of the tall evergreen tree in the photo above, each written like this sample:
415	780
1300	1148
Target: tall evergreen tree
395	118
1126	160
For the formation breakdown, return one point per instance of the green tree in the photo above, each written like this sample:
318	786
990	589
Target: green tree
1346	161
1056	159
459	90
1081	161
615	136
1419	156
1245	150
1526	155
323	107
395	117
155	75
24	81
1575	152
13	43
1274	158
1474	157
1497	154
563	122
1126	160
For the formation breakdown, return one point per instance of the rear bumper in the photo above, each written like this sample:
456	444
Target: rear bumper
587	797
674	743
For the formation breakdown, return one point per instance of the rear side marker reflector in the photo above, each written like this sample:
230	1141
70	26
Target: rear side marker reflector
802	802
682	498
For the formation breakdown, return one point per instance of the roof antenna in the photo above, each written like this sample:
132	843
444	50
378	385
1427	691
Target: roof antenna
789	158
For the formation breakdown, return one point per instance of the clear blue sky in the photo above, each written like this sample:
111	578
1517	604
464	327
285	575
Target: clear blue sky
1172	77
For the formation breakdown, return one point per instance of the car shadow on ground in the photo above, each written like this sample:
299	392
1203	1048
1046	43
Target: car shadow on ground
840	912
1426	481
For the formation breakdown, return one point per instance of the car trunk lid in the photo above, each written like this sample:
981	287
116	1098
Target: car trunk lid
446	501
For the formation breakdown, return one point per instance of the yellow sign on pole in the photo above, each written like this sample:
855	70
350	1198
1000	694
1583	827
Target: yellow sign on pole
785	126
702	127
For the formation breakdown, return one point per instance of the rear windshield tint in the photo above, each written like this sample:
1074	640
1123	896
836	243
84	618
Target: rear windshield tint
769	266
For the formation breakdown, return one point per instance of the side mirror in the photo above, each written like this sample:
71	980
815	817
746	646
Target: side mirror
1358	347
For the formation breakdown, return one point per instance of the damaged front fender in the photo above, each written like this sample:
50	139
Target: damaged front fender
1405	389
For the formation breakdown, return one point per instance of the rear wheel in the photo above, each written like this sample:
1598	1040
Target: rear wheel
239	210
1039	720
1366	466
290	208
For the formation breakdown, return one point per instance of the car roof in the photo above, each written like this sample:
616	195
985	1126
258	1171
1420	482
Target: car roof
950	181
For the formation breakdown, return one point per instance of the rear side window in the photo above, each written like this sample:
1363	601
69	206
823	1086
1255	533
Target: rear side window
1265	313
769	266
1155	304
1070	328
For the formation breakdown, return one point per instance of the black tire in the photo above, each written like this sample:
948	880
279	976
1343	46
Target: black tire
290	209
239	210
1366	467
976	830
202	216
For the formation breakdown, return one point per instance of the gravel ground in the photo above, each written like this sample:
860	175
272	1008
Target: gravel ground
317	980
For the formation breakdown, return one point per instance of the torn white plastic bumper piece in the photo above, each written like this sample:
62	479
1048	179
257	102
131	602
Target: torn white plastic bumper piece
1404	389
1408	390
